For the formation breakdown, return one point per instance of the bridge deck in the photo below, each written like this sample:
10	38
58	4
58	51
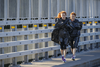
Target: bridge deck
83	59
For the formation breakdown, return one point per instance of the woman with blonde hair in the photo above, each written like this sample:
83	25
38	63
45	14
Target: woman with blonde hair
63	24
75	34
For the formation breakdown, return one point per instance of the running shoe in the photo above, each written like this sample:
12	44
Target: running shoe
73	58
62	58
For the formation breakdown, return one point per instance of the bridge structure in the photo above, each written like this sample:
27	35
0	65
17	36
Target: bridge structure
26	27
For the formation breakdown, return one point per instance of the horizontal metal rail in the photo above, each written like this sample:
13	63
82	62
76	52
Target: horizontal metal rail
39	50
23	42
17	33
17	22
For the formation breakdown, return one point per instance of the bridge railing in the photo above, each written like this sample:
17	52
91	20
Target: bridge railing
34	44
25	31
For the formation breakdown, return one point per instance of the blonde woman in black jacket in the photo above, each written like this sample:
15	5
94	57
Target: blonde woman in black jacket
75	34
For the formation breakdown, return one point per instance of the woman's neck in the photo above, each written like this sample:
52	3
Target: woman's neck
72	19
63	18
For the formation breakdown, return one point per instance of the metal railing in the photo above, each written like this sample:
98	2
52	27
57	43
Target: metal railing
26	26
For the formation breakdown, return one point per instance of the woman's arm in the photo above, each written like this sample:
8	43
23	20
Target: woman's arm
79	25
69	25
58	24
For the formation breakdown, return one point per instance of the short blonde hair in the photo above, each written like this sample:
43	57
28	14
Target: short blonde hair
72	13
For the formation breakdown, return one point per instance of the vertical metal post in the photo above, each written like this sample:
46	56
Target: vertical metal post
66	6
36	28
98	9
36	44
36	55
74	5
92	6
91	46
91	30
18	4
8	9
97	46
14	48
2	50
87	8
57	6
85	48
81	9
2	63
46	53
49	9
55	51
29	9
26	46
85	38
91	16
40	9
5	9
1	60
95	10
46	43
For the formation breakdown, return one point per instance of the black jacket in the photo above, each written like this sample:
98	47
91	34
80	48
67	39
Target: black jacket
77	26
62	29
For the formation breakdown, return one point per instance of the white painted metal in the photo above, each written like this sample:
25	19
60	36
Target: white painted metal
40	13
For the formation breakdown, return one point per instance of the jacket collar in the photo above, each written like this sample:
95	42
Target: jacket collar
65	19
74	20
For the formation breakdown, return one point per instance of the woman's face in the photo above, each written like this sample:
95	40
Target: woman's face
63	16
72	17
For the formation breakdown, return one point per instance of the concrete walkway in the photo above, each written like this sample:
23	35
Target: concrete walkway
83	59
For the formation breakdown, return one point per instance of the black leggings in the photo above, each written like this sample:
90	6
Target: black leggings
73	42
62	45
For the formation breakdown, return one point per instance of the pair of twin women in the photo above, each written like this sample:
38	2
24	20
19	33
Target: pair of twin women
69	32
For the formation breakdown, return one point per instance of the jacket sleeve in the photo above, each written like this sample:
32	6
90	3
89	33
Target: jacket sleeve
69	25
58	24
79	26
